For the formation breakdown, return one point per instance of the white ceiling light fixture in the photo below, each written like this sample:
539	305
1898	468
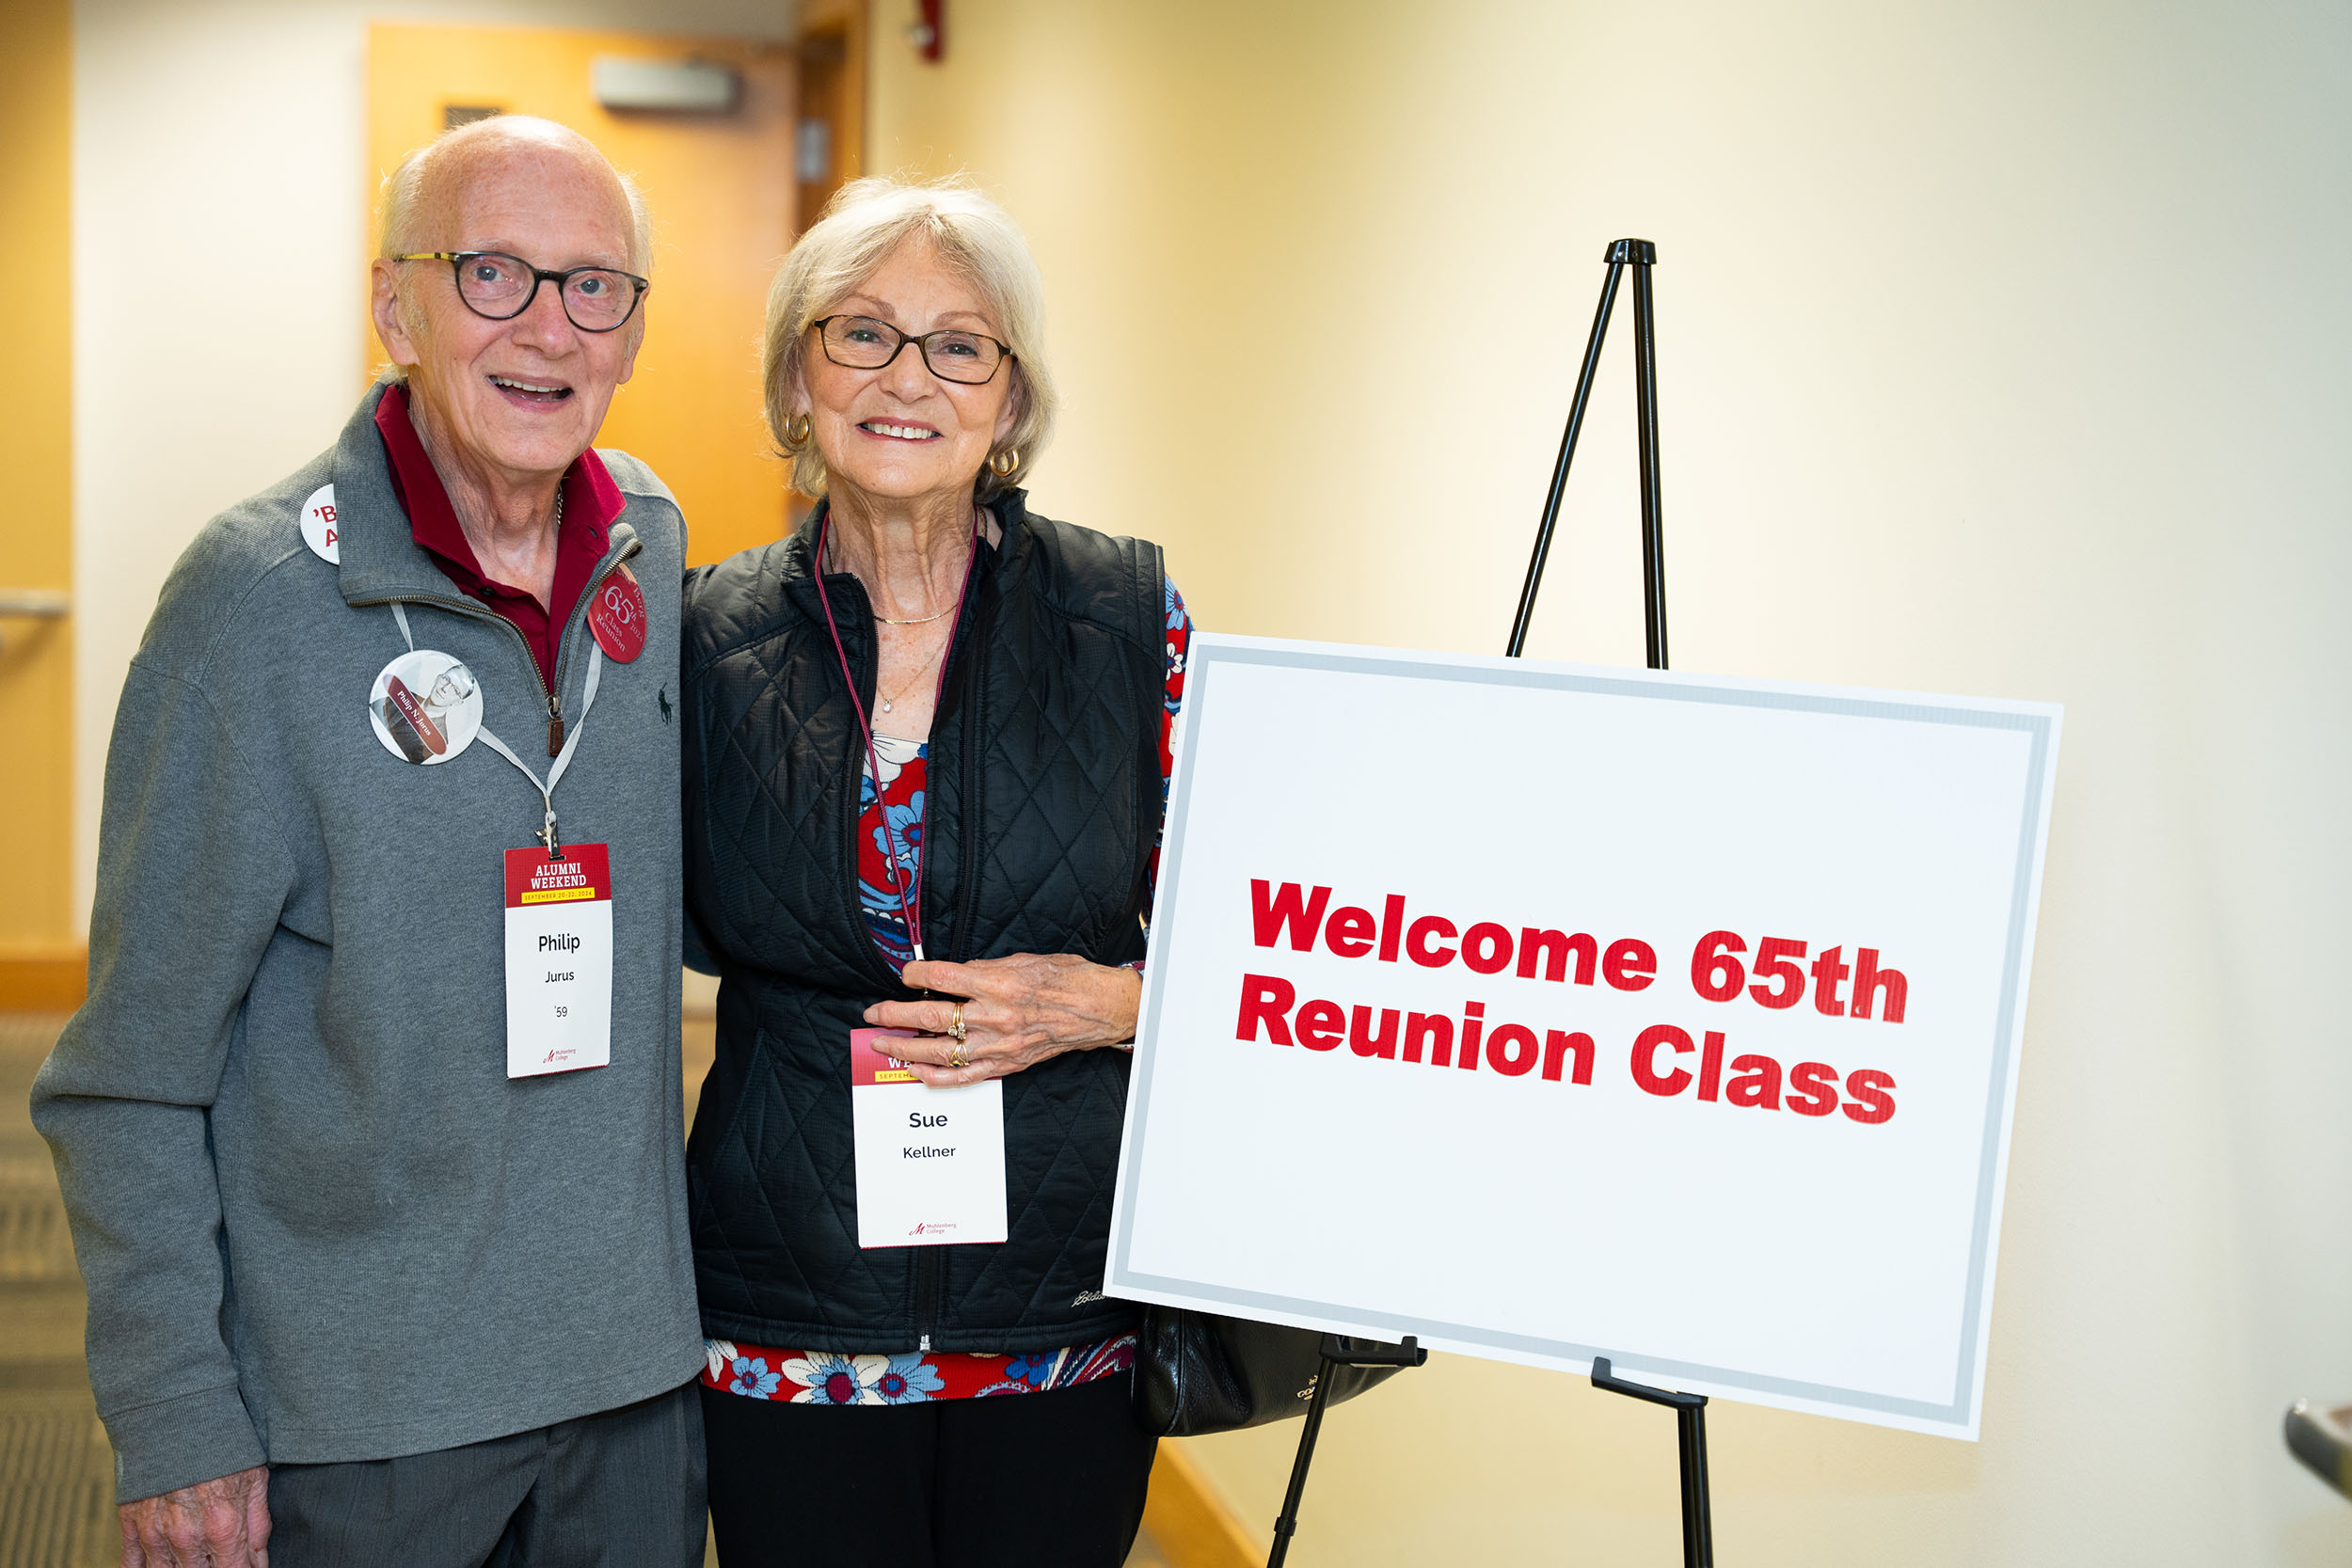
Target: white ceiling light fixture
664	87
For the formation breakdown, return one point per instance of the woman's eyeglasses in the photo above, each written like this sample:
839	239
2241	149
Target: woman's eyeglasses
863	343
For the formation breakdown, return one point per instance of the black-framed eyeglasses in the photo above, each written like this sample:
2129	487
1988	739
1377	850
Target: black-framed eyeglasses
863	343
499	287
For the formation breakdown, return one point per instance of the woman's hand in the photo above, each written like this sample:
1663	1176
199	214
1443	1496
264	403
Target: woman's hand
1017	1012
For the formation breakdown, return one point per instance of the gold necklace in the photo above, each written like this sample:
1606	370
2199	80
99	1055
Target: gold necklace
890	704
918	621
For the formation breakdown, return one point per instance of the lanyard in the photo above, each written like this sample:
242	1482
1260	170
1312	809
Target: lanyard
571	741
918	842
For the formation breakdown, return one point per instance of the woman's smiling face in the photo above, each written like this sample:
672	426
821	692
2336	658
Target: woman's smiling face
900	433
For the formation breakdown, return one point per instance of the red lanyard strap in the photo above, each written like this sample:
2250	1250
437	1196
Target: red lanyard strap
918	842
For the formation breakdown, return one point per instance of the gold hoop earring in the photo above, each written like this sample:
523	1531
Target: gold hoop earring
1003	463
796	433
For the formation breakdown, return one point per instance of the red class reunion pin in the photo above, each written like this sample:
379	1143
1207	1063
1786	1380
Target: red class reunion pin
616	616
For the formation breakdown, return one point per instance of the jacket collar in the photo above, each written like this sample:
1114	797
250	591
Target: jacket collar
1011	508
379	557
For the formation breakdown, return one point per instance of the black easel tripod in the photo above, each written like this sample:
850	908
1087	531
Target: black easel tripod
1699	1529
1698	1533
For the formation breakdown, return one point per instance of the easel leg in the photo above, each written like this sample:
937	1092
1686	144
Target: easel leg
1567	454
1698	1527
1645	419
1287	1526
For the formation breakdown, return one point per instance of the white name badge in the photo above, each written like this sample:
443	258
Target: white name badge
930	1163
559	960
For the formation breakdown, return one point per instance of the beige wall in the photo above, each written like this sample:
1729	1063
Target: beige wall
223	142
2002	351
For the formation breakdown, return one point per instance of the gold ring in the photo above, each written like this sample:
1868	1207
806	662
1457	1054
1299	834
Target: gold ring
955	1026
957	1058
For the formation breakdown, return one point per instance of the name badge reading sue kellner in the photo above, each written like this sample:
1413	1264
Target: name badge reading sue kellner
930	1163
559	960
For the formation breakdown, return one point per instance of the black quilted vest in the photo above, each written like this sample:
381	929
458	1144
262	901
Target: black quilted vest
1044	803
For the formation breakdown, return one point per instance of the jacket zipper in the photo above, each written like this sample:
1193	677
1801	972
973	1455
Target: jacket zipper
564	645
563	648
930	1291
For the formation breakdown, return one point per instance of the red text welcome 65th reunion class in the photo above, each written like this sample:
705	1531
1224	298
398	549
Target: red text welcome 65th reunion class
1720	972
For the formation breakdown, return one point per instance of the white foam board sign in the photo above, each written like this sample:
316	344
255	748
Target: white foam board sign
1548	1012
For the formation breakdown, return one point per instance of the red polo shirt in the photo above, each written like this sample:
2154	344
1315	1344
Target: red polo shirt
591	502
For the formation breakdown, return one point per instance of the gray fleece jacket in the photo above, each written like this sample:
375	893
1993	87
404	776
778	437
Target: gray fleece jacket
317	1220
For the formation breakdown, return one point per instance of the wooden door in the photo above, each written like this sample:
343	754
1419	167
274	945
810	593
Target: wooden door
723	195
832	147
41	956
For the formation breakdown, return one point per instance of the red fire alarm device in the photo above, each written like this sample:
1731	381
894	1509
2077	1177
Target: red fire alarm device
928	32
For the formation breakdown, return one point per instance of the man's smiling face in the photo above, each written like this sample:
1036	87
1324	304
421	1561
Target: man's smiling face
526	396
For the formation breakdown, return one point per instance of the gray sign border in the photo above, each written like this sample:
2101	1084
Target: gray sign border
1206	653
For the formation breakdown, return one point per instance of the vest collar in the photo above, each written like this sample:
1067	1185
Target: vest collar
1009	508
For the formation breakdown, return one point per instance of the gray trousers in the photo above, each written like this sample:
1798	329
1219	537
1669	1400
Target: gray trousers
621	1487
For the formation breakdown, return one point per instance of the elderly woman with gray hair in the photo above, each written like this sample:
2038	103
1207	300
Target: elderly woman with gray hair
925	755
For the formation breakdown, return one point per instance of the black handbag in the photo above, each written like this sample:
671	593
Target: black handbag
1197	1372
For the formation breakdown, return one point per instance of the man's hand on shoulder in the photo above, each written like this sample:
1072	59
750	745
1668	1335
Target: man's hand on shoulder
214	1524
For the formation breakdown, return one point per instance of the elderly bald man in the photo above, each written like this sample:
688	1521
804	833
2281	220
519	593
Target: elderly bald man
370	1129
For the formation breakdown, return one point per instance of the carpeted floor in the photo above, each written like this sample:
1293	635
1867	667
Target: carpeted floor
55	1472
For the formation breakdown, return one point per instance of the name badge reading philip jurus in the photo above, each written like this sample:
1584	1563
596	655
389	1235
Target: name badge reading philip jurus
559	960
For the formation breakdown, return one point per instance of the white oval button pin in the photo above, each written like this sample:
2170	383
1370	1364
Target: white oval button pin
320	528
426	705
